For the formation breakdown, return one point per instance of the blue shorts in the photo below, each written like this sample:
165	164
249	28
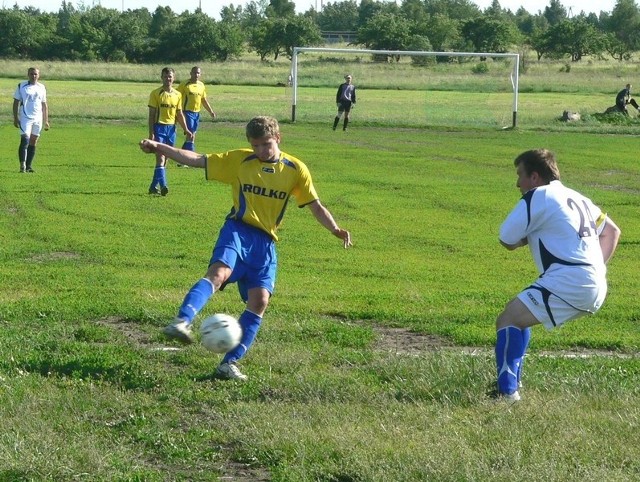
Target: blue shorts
165	133
192	120
251	255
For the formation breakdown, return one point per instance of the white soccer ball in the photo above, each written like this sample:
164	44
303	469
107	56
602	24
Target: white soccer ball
220	333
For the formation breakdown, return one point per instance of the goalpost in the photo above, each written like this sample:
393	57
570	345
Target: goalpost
513	76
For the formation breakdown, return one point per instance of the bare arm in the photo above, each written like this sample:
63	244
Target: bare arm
152	120
209	109
16	105
183	124
325	218
519	244
181	156
45	115
609	239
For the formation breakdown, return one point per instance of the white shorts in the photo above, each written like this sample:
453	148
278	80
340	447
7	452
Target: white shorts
549	309
30	127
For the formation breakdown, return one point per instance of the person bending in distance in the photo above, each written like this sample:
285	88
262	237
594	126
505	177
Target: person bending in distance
624	98
262	179
571	240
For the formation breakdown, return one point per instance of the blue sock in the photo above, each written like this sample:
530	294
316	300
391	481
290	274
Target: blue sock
526	336
157	173
250	323
509	353
189	146
163	176
195	299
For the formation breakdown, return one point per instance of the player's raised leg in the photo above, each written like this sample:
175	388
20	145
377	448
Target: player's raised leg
193	302
199	294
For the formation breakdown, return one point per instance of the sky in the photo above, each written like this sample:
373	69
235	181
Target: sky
213	7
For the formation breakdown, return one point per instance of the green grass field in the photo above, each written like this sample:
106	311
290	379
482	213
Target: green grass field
373	364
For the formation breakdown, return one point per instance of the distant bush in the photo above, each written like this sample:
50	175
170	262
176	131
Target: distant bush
480	68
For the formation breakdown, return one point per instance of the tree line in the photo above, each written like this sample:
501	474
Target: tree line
271	28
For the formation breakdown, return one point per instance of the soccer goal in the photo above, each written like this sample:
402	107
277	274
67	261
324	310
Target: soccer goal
409	88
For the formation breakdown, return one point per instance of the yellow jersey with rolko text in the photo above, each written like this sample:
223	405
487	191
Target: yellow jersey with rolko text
192	95
166	104
261	190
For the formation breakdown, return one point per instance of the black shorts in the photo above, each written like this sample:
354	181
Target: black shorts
345	106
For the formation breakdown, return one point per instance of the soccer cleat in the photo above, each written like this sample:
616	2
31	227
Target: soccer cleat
507	397
511	397
229	371
154	190
23	167
179	330
30	170
164	190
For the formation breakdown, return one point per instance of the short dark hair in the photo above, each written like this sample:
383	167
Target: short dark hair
542	161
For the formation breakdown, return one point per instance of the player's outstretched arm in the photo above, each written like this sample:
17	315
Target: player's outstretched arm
181	156
325	218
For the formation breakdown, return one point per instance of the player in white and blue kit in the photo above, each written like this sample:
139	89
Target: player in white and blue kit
30	115
571	240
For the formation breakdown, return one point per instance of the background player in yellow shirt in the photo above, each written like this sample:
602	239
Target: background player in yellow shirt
194	97
165	109
262	180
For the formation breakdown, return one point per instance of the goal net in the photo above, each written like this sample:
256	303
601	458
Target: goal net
407	88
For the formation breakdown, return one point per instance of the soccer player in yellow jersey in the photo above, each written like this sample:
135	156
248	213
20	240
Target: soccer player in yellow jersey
165	109
262	180
194	97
